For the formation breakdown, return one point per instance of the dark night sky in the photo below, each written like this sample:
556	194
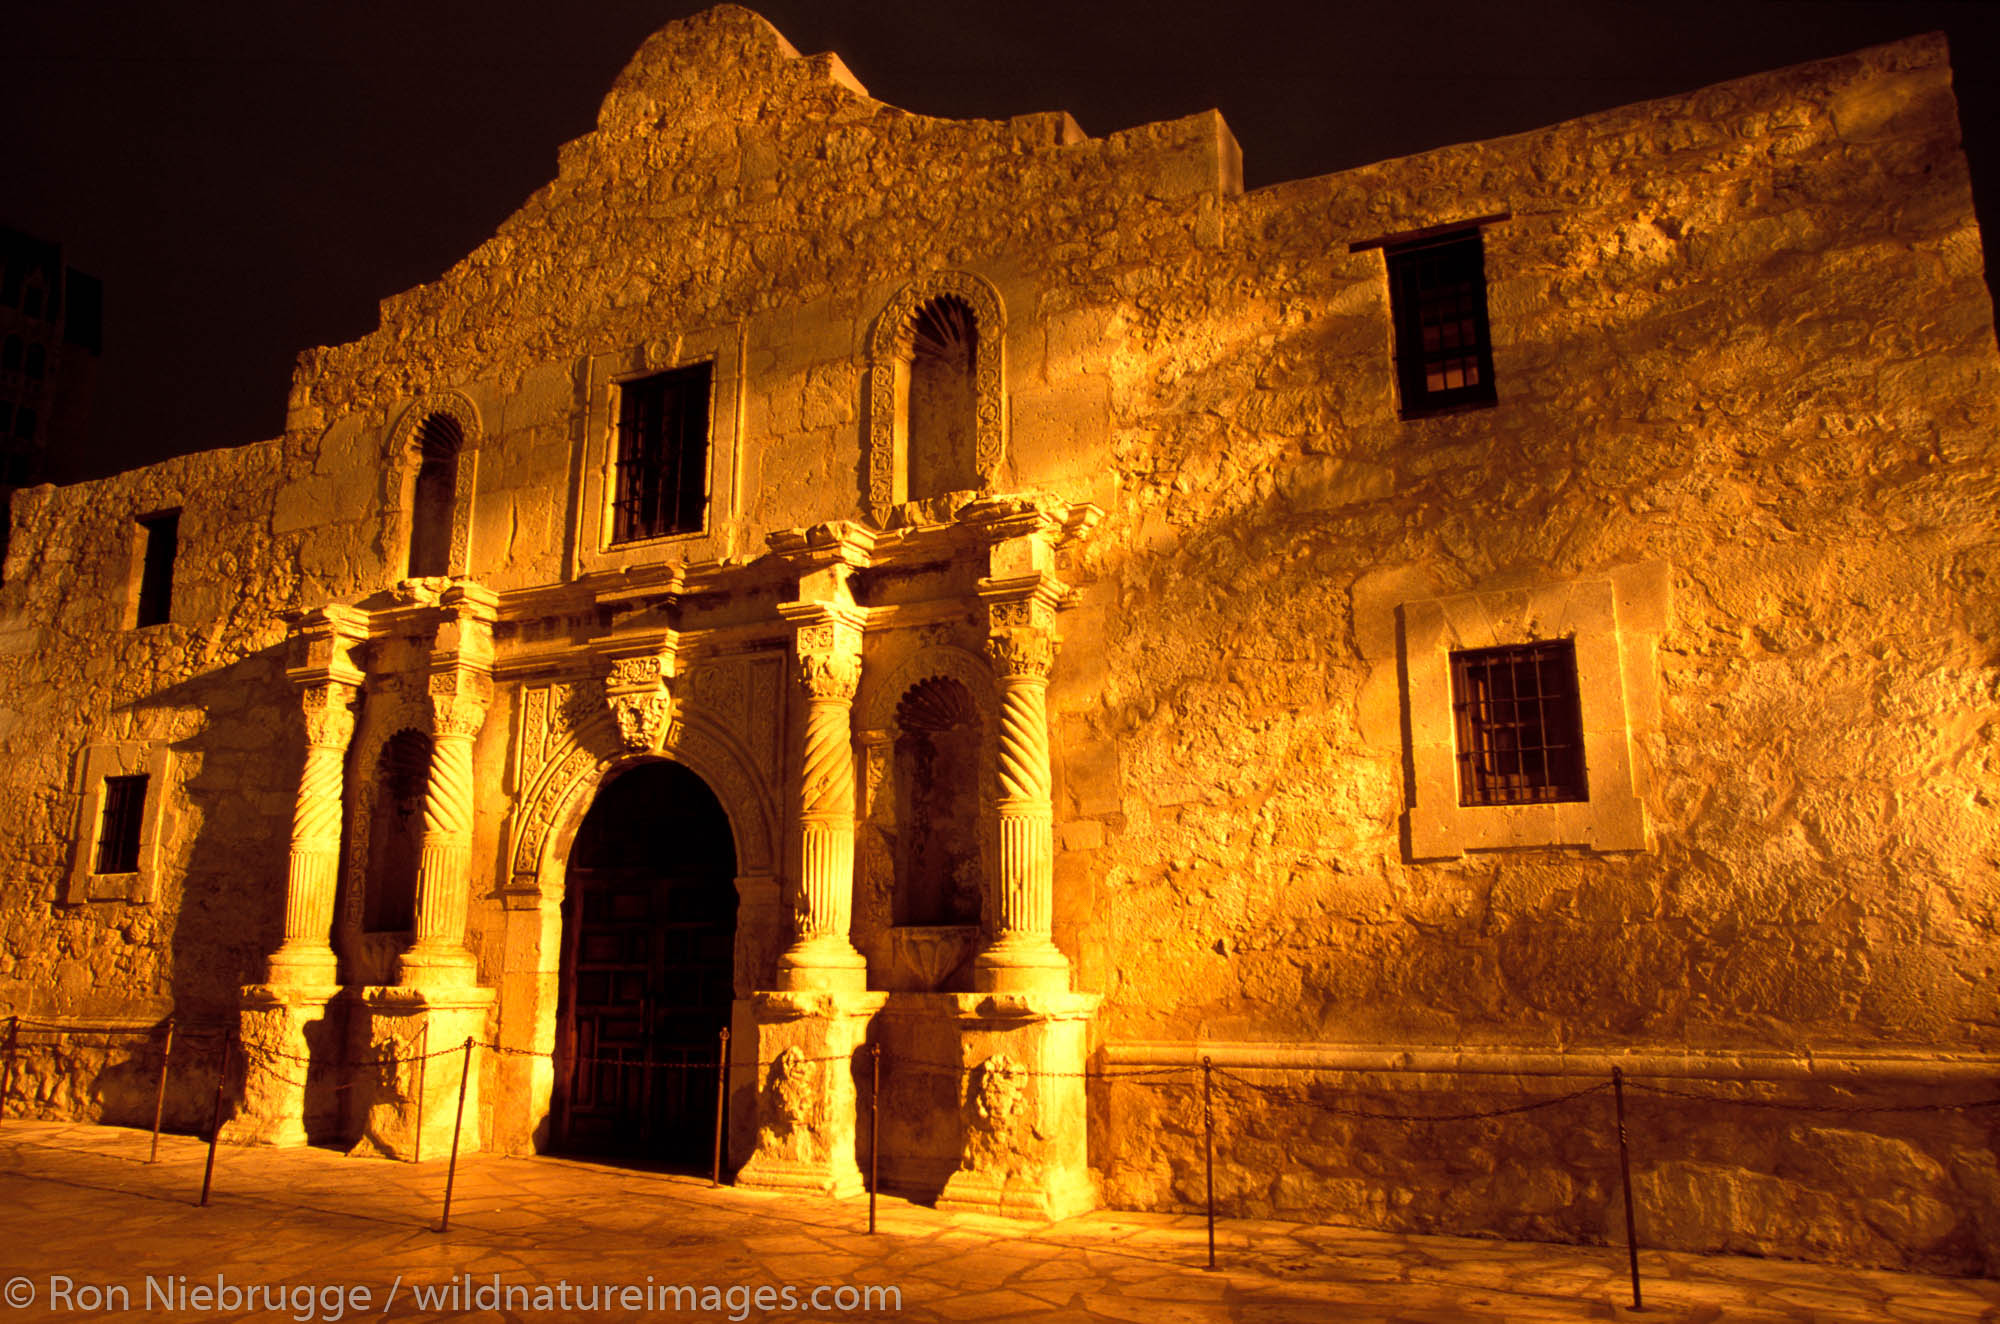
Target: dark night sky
249	178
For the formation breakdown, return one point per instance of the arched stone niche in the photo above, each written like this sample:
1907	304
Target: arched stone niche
938	306
446	416
907	956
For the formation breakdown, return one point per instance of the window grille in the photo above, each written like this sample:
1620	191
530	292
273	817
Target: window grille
1444	354
124	809
1519	724
156	580
662	455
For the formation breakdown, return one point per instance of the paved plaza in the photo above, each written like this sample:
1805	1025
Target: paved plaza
89	1229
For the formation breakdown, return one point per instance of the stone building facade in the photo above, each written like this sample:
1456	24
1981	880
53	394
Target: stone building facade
1018	600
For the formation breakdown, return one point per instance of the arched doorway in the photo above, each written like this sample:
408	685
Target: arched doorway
649	930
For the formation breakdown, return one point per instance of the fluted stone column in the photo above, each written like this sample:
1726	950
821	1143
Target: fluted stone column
1023	956
438	954
829	668
282	1022
306	958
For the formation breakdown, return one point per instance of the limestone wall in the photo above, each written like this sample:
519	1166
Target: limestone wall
1745	359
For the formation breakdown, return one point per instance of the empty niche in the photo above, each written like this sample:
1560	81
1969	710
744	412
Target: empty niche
433	498
936	771
940	431
396	828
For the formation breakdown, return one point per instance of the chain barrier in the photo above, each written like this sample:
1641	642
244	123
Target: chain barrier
1202	1077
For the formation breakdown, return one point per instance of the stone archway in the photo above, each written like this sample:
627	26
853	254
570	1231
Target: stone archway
583	753
647	976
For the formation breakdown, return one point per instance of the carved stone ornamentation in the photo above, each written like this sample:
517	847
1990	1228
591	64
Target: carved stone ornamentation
642	720
888	357
995	1104
792	1122
830	676
1021	652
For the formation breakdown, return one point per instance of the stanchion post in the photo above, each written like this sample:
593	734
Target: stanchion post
721	1100
1208	1138
1625	1175
215	1119
160	1094
874	1129
451	1173
423	1063
7	1077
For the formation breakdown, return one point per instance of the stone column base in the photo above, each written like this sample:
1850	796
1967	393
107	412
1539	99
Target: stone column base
272	1023
408	1108
1024	1106
807	1046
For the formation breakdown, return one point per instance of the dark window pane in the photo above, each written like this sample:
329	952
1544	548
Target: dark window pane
1519	724
156	581
118	836
1443	352
662	455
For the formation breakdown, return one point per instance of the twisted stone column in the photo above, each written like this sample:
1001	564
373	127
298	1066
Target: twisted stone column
444	870
823	957
1023	956
306	958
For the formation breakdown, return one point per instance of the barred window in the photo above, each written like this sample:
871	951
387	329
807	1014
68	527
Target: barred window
1519	724
118	838
662	454
1444	354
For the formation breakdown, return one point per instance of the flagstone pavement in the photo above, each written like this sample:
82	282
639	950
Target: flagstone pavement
84	1216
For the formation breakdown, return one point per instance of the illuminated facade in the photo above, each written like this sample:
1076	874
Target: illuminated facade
1016	599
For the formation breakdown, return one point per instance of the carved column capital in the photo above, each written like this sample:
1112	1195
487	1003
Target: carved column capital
329	713
830	677
459	700
1021	654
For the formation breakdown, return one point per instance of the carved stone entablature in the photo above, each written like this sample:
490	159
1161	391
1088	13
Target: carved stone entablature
889	350
326	645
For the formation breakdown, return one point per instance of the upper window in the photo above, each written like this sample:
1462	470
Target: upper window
156	577
1444	355
433	503
1519	726
662	454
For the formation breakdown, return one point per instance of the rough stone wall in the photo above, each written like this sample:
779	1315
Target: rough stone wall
1741	341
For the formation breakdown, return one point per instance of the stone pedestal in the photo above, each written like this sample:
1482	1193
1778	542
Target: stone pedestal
1024	1106
407	1108
277	1052
808	1048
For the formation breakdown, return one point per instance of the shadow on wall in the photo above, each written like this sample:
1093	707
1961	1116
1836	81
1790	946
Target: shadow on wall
226	837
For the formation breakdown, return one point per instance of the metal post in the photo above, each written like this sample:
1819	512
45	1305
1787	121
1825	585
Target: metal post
423	1076
451	1173
1208	1135
215	1118
160	1095
7	1079
1625	1173
721	1099
874	1129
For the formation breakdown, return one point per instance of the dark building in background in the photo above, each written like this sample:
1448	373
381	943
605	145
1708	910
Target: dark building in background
51	334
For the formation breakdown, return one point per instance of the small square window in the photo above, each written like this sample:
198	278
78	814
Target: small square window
156	577
118	836
1444	354
1519	724
662	455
